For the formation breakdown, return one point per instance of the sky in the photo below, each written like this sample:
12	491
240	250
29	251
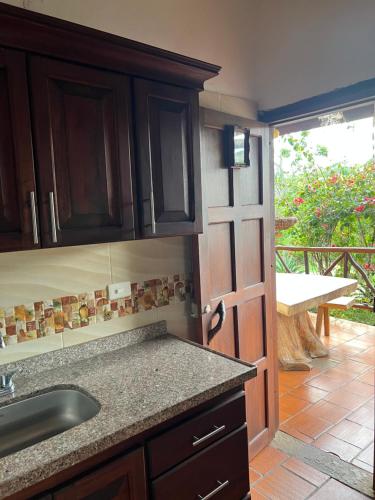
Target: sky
348	142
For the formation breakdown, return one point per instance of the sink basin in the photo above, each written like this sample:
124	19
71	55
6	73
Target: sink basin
40	417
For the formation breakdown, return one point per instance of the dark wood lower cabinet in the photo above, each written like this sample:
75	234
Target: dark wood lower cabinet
200	454
220	471
124	478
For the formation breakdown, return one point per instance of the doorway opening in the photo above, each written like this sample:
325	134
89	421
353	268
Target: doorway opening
325	228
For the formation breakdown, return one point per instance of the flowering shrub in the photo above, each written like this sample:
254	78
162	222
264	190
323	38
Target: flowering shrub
335	206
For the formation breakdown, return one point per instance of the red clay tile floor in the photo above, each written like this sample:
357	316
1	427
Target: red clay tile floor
274	475
332	406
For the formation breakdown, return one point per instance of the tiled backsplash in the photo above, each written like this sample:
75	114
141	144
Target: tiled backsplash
25	322
73	274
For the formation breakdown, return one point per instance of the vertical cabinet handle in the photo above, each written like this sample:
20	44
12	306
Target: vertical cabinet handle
53	216
212	493
152	206
33	218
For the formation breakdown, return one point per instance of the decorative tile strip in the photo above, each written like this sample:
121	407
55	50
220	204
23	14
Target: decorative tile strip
43	318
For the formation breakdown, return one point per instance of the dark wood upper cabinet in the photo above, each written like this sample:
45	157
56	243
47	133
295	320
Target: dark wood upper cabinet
167	141
122	479
82	132
75	103
18	219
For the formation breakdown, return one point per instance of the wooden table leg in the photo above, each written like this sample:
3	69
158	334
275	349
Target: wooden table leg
298	342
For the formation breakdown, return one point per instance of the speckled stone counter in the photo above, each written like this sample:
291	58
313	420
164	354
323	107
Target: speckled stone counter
138	384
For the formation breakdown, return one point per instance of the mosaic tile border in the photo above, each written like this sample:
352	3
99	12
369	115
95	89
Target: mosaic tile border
34	320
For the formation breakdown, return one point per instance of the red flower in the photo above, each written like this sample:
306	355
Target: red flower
369	267
318	212
370	200
360	208
298	201
333	179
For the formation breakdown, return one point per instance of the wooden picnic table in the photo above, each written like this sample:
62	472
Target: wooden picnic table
298	341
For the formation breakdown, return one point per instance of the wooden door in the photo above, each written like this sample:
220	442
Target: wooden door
18	220
81	118
234	263
167	138
122	479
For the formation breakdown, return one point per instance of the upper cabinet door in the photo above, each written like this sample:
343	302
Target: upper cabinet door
81	119
18	219
167	138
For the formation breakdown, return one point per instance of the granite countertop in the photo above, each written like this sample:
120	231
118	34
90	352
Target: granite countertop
143	379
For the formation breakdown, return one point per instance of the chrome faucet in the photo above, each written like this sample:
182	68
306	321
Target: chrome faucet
2	342
7	383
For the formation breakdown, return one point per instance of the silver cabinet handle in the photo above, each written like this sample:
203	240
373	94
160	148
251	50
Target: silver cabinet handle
53	216
221	486
197	441
33	218
152	207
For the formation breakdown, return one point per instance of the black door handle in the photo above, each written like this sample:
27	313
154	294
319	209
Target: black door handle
220	310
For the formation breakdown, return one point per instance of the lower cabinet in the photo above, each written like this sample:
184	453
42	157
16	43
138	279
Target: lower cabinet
201	454
124	479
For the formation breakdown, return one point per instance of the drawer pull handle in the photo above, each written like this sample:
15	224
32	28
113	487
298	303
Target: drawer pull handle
197	441
51	197
216	490
33	218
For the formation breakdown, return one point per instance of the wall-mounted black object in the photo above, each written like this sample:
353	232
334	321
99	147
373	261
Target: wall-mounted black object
236	146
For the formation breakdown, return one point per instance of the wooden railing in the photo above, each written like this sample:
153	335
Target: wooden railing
322	260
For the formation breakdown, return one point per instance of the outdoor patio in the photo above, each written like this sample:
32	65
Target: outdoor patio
330	407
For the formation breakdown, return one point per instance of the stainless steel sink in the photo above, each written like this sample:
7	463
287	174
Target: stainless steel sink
40	417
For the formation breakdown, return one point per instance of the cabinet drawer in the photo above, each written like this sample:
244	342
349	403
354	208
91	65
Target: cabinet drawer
174	446
220	472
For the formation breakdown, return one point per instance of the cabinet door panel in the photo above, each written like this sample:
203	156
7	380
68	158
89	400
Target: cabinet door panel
168	155
16	157
122	479
81	120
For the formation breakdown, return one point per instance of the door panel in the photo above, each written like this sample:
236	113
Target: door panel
168	158
81	118
233	262
16	158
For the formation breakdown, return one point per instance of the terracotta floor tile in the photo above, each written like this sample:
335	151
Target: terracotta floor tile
291	405
283	416
309	425
340	374
352	433
368	338
255	495
357	342
367	356
357	387
305	471
346	399
267	459
336	446
294	379
309	393
370	404
363	465
333	490
327	411
367	378
283	485
363	416
292	431
325	383
353	366
254	476
367	455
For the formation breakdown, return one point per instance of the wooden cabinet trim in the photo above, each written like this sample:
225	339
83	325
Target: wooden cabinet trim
50	36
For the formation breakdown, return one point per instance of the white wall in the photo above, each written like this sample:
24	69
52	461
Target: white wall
215	31
308	47
272	51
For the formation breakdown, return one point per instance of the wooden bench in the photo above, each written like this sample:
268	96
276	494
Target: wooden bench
343	303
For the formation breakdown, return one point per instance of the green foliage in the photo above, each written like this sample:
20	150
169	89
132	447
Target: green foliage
334	205
357	315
